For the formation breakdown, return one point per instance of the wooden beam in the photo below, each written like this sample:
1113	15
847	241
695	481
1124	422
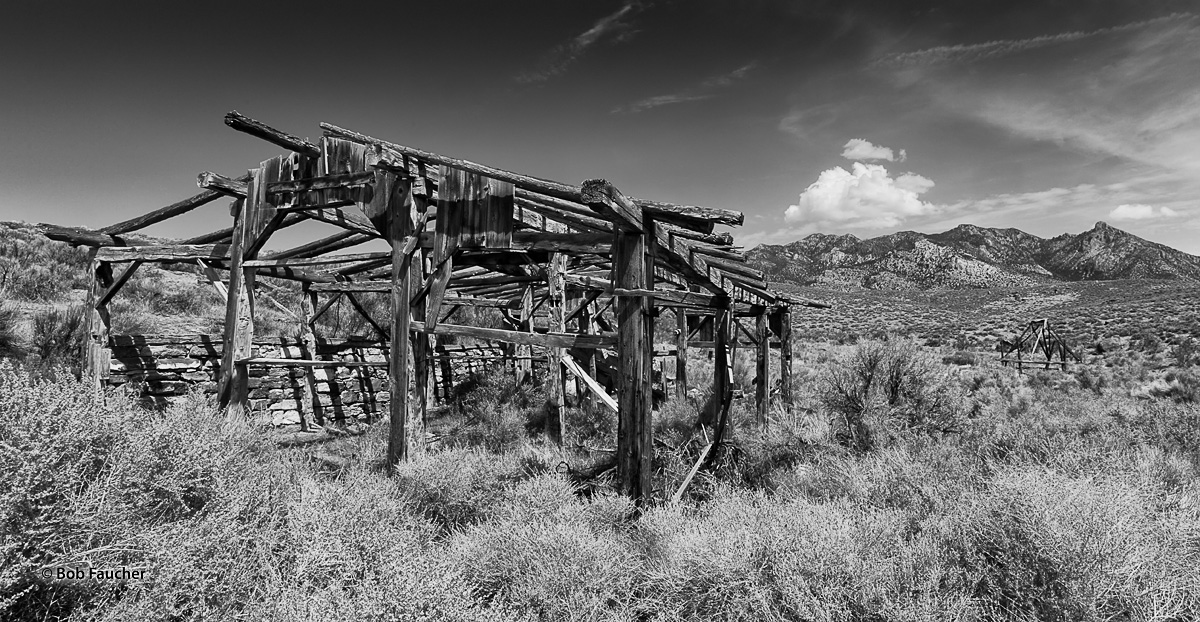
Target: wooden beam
80	236
352	286
220	183
96	353
785	355
547	187
681	353
316	261
762	390
400	226
555	392
635	448
545	340
166	253
117	283
589	382
604	199
335	242
242	123
324	182
170	211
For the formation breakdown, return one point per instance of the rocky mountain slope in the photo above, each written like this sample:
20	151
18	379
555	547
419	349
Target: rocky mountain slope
970	257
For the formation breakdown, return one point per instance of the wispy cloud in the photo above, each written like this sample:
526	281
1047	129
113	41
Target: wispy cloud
706	89
966	53
1140	211
556	61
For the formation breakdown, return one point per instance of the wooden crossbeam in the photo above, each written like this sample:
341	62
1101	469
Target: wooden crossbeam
569	362
111	290
165	253
242	123
356	179
220	183
316	261
546	340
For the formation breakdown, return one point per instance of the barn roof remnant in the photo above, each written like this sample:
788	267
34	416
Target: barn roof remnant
460	234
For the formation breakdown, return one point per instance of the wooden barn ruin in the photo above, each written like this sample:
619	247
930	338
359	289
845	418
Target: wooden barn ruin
594	265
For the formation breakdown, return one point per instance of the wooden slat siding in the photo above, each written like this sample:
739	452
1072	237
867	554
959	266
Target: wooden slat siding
635	343
309	395
682	215
119	282
339	181
242	123
522	338
454	201
171	253
762	390
681	353
222	184
96	353
552	188
588	223
785	355
400	225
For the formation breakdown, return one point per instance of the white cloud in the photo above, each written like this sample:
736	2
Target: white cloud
1140	211
866	196
862	150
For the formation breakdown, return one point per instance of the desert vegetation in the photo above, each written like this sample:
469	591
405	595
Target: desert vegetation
899	487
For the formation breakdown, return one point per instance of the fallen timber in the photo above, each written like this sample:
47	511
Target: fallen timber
573	272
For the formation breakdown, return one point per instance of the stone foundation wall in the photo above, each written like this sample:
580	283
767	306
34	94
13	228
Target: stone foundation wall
162	369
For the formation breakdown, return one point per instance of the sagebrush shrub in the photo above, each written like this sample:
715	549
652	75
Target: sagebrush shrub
883	388
10	338
58	335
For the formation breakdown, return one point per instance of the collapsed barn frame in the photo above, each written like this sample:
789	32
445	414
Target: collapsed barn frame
461	234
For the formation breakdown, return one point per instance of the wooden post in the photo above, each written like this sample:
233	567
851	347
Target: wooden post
785	355
681	352
309	393
96	353
422	343
399	226
253	214
635	343
588	364
762	392
524	362
556	402
722	373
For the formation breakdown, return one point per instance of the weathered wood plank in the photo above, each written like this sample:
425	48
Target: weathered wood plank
117	283
635	448
681	353
220	183
169	253
591	384
762	389
316	261
338	181
604	199
242	123
545	340
170	211
785	355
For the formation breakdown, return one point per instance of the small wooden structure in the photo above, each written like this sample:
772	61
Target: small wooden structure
1037	338
461	234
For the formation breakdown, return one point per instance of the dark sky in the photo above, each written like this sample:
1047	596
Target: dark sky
847	116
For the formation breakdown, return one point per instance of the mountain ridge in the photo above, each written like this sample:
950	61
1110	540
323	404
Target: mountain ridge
970	256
